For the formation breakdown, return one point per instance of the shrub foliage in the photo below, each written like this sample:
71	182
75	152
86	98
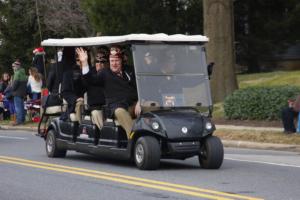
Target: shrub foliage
258	103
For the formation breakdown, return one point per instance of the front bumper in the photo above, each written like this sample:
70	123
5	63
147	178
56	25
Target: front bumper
181	150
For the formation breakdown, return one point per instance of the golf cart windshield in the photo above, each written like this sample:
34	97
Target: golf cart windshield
171	75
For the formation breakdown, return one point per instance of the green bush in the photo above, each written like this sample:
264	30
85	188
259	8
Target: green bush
258	103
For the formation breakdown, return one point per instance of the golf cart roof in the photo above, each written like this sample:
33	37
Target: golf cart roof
106	40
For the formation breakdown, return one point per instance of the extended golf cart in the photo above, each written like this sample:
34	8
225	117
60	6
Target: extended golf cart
174	93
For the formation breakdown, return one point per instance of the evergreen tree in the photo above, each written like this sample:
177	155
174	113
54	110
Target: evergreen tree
18	32
264	27
19	28
145	16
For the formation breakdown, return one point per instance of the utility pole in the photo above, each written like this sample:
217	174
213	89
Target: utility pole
41	39
38	19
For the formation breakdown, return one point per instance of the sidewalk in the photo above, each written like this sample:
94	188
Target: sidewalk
234	127
226	143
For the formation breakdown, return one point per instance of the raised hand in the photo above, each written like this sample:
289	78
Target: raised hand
83	57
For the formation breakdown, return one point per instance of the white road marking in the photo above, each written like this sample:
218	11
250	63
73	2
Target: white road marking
261	162
12	137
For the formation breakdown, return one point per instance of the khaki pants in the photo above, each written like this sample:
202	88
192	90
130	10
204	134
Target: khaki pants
124	117
97	118
78	109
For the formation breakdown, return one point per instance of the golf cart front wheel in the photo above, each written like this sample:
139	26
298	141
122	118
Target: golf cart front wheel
147	153
211	153
51	146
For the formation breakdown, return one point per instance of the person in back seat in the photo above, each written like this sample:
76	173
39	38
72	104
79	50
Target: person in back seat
119	87
95	94
72	89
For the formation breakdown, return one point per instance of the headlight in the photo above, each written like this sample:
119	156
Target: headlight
208	126
155	126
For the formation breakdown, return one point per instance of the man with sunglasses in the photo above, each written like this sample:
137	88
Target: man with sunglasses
95	94
119	87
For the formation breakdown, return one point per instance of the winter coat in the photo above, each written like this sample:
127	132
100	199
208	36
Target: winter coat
19	84
54	77
38	62
3	86
95	93
118	91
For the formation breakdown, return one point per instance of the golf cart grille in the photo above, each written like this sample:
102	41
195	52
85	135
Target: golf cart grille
184	146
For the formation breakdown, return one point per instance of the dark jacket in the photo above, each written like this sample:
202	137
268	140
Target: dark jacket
95	93
54	78
3	86
72	87
38	62
19	83
118	91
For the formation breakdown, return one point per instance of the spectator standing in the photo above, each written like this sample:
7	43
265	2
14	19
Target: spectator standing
4	82
19	84
38	59
35	83
8	101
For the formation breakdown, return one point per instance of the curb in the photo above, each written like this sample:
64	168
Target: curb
18	128
234	127
264	146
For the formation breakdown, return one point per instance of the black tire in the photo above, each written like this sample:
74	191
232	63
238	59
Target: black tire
211	153
147	153
51	146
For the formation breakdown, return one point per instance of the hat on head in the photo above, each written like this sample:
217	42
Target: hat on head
38	50
16	64
115	52
102	56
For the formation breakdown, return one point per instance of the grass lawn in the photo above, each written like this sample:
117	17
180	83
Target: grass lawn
269	79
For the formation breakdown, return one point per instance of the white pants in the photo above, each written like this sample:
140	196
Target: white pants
97	118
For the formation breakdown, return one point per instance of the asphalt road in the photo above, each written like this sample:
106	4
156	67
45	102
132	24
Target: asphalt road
27	173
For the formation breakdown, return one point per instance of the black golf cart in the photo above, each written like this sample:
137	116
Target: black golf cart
174	93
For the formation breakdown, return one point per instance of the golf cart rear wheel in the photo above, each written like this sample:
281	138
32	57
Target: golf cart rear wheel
147	153
51	146
211	153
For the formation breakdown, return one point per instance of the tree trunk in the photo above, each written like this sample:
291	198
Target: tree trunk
218	26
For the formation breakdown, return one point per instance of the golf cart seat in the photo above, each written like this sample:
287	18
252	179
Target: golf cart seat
53	110
73	117
87	118
108	120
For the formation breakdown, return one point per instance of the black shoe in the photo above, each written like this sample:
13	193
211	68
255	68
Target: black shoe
289	132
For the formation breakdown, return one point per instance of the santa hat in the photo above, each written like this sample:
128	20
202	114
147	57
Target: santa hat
38	50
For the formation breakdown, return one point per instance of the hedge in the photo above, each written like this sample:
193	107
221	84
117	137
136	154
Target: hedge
258	103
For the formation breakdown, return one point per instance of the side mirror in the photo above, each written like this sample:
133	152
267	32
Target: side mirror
210	69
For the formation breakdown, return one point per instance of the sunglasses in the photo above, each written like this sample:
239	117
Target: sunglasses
100	61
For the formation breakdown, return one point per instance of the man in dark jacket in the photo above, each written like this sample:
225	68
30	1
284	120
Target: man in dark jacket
119	87
19	85
72	89
95	93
